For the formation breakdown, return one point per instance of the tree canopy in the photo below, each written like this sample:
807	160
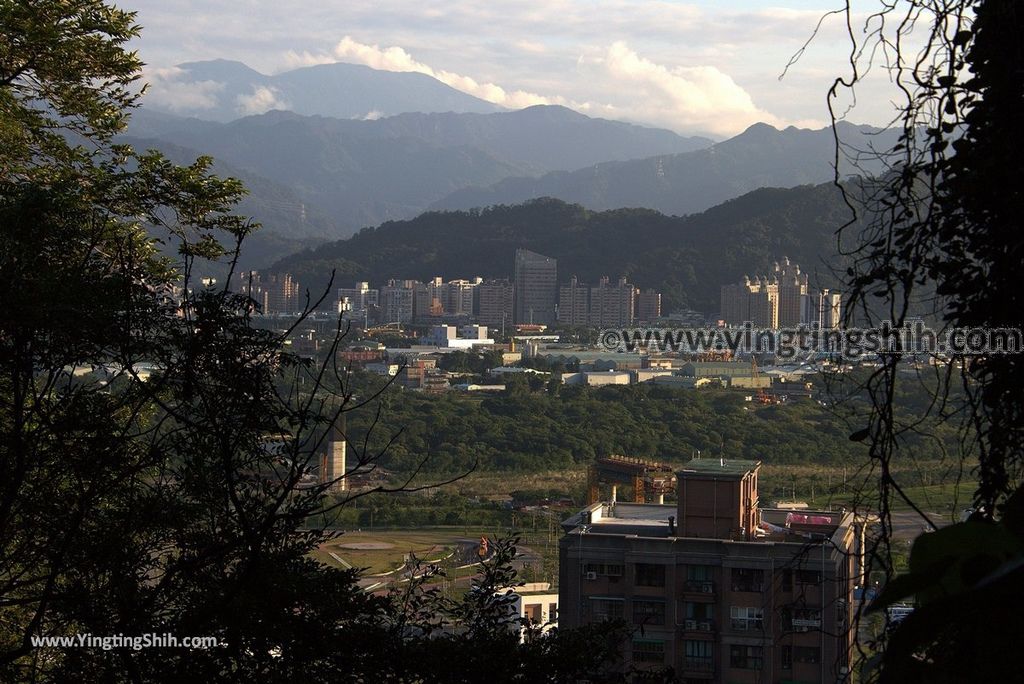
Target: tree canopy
159	453
941	229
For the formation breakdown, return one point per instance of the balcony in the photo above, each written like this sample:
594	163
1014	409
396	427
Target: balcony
700	667
748	587
693	625
699	586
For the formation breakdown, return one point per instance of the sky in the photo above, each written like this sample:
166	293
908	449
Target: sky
699	67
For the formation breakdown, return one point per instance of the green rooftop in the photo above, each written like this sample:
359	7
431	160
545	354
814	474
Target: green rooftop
713	466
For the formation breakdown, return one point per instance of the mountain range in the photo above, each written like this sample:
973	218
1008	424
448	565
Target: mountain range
325	170
363	172
680	184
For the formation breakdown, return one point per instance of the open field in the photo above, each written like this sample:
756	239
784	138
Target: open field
383	550
931	483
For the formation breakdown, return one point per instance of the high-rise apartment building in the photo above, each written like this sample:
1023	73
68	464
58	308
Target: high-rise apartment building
280	293
495	303
754	300
247	283
536	279
823	309
574	303
357	302
398	301
333	467
648	306
274	292
459	296
720	589
772	301
792	288
611	305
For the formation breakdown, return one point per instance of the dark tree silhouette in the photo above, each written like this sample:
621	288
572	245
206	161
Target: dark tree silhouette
940	235
157	450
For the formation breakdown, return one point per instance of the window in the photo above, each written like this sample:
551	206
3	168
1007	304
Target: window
698	573
648	612
534	613
745	657
697	649
698	656
746	579
699	611
698	578
802	619
812	577
606	608
648	651
552	612
787	580
605	569
744	618
787	657
807	654
648	575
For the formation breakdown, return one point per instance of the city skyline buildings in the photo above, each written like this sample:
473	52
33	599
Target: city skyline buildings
782	298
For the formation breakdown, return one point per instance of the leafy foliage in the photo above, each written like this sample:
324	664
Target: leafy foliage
940	229
152	440
528	431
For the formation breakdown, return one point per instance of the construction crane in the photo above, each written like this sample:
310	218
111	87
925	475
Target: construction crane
645	477
762	397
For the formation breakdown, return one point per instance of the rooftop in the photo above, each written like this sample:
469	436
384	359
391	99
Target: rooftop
716	466
651	521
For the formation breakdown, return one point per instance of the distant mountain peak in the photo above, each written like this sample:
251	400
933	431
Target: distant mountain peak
339	89
759	129
224	68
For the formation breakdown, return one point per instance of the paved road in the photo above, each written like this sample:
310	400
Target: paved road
907	525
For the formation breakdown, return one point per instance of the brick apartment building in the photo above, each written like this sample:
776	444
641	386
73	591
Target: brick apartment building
718	589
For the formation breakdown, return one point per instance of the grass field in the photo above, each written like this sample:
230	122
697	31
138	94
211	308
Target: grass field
930	484
383	550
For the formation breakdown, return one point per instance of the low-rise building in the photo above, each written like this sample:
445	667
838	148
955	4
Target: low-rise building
717	369
599	378
536	605
648	374
448	336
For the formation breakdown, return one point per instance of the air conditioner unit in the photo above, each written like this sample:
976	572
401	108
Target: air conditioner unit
590	575
705	626
706	587
690	624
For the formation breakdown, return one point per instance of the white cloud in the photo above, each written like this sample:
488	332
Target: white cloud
533	44
683	98
262	99
395	58
619	84
295	60
168	90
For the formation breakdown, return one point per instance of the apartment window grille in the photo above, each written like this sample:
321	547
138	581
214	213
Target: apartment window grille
648	612
746	657
745	618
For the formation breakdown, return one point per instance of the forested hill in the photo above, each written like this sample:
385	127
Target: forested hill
688	258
